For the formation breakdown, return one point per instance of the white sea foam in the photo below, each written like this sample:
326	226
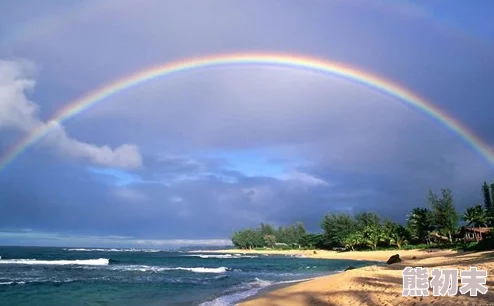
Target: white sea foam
205	270
112	250
85	262
237	293
12	283
243	291
144	268
222	256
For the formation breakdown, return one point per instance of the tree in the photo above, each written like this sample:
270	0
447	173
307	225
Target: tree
490	214
269	240
420	223
336	227
353	240
492	195
373	234
267	229
369	224
300	231
266	235
444	212
487	197
399	236
248	239
475	215
389	228
312	241
364	219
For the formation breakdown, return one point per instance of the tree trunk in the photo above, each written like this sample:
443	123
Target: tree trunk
477	236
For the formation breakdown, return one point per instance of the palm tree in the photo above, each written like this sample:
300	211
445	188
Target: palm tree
419	223
389	228
374	234
399	236
476	216
354	239
398	240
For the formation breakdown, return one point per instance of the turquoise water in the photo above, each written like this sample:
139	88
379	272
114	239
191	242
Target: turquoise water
70	276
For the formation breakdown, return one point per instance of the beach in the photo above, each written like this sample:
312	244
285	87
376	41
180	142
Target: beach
377	284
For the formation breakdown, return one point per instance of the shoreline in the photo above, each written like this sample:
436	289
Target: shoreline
375	256
279	286
370	285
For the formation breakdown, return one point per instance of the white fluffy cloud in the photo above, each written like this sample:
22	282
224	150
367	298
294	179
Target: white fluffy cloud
18	113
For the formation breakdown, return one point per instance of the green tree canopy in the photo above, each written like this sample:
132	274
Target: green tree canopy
267	236
336	227
365	219
444	212
420	223
487	197
475	216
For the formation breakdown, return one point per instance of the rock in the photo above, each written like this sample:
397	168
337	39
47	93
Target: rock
350	268
394	259
315	252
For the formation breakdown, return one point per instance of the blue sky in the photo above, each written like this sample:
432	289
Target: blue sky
189	158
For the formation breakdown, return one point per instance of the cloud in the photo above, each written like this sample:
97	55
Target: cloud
305	178
40	238
22	115
185	242
230	147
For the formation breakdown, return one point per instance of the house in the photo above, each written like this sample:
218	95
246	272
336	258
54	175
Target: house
435	238
470	234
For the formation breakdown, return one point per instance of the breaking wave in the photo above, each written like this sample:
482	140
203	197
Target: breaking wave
144	268
112	250
237	293
243	291
222	256
84	262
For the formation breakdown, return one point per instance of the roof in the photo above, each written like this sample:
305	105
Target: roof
437	236
482	230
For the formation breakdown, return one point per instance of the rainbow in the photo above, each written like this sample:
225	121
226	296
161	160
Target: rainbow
273	59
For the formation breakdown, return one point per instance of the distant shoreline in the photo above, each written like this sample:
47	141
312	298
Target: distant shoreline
379	256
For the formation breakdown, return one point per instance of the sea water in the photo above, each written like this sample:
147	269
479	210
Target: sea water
97	276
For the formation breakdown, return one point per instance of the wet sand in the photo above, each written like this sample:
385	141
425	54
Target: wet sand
375	285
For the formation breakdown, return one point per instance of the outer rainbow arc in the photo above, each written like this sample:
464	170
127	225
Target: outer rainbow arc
276	59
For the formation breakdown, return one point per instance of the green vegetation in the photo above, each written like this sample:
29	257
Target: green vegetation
435	225
267	236
444	215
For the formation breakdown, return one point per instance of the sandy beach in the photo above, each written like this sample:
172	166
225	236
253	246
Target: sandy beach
376	285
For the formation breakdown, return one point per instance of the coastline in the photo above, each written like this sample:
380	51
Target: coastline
277	286
371	285
378	256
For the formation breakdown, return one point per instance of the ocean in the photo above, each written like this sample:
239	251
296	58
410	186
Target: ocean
42	276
